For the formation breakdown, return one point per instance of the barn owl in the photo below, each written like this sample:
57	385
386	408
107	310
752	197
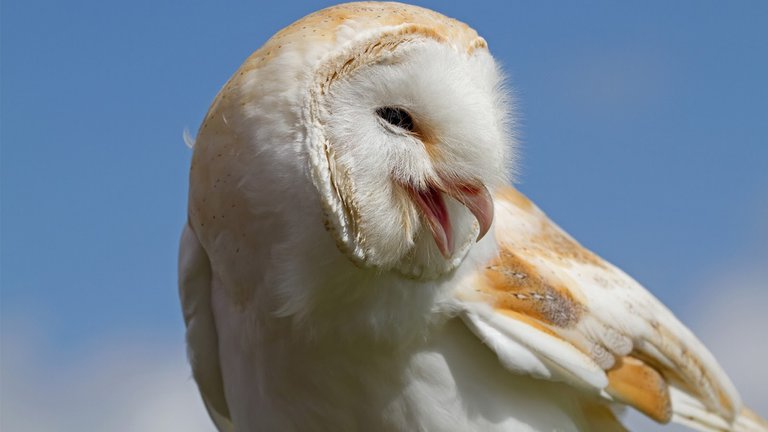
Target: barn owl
355	260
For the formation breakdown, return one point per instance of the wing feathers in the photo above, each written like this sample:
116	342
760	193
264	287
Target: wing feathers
557	359
590	324
202	339
634	383
749	421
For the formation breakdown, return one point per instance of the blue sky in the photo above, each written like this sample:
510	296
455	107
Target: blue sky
644	129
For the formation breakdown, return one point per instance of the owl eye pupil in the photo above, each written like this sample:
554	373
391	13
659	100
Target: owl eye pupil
396	117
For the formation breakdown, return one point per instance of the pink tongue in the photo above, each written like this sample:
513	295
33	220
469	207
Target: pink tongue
432	205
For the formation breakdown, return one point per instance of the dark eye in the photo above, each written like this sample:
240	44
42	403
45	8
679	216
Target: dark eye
396	117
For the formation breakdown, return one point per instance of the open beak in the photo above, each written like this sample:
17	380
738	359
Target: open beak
474	196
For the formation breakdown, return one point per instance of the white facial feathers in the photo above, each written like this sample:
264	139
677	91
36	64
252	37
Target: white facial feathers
455	100
459	135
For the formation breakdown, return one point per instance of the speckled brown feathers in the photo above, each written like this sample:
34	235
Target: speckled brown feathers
588	309
517	286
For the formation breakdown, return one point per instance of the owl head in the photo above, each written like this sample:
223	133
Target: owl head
395	117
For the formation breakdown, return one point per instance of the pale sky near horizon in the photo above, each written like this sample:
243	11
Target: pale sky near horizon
644	132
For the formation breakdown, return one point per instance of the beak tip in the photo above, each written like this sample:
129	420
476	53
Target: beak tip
479	202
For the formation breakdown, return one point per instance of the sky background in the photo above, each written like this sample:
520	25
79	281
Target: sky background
644	130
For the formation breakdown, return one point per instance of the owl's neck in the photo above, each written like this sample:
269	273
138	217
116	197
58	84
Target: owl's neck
341	348
319	293
336	357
